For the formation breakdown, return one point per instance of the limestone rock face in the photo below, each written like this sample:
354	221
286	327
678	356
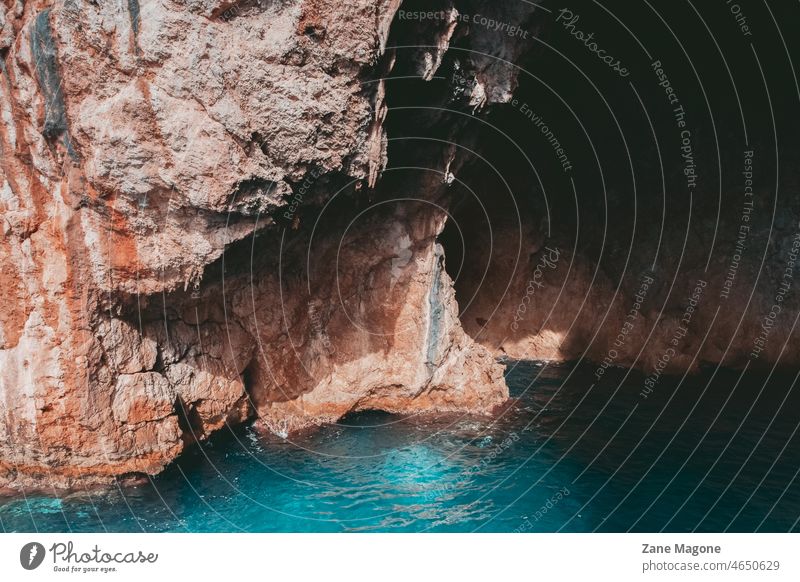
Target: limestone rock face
379	331
138	141
218	211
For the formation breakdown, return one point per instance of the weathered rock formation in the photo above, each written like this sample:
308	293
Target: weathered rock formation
141	140
215	211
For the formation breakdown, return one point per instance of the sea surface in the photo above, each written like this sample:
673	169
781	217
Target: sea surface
714	452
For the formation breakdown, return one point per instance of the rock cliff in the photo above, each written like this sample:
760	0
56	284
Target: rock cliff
141	140
218	211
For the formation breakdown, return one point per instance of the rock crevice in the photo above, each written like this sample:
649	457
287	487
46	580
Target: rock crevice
216	212
184	273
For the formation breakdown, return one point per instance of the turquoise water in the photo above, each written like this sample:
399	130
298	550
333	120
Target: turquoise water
711	454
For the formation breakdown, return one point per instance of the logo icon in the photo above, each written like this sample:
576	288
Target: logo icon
31	555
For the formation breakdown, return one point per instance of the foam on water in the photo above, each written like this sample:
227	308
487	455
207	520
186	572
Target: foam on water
641	465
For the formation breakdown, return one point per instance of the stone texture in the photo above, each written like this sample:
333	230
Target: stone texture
378	331
140	140
199	228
